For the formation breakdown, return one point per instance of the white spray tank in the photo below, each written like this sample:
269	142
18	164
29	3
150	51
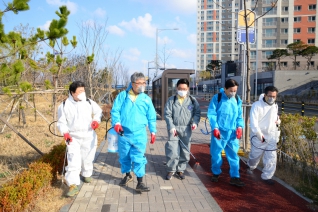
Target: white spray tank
112	138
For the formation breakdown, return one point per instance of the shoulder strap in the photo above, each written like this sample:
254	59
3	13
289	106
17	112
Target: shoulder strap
220	96
89	101
192	99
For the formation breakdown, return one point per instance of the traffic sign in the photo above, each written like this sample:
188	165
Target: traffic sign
241	35
250	18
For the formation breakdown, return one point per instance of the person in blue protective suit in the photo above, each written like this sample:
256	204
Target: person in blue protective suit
225	116
78	117
131	113
182	115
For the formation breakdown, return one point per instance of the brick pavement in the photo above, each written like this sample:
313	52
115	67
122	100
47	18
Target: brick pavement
104	194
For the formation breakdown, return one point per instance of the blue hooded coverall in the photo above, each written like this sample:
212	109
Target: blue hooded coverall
133	117
225	115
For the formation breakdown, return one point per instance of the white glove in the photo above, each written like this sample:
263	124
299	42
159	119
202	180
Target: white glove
278	122
194	126
260	136
173	131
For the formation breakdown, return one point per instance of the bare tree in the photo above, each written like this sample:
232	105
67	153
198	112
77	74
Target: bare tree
92	37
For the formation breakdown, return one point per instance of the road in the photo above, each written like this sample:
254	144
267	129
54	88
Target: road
289	107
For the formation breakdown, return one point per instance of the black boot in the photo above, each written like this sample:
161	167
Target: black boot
141	186
128	178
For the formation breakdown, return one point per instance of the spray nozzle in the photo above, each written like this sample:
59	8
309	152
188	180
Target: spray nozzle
121	133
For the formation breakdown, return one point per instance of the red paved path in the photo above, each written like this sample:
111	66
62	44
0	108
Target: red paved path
254	196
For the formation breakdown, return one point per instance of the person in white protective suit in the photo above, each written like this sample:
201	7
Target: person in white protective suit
264	122
78	117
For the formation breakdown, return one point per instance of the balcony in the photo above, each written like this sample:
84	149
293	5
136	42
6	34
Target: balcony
273	23
269	45
269	34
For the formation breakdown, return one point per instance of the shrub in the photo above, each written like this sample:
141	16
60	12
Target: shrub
18	193
297	155
55	158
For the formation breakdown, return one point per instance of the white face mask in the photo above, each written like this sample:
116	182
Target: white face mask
82	96
231	94
270	100
182	93
141	89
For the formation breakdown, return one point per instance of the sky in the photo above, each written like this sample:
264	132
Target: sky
131	27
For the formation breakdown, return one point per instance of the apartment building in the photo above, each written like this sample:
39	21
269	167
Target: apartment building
287	22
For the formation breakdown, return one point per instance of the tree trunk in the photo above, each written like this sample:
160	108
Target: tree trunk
34	107
90	82
248	86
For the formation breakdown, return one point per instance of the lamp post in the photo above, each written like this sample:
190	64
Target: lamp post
194	74
148	75
157	32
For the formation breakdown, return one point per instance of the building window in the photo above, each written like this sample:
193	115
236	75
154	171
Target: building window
311	41
296	40
297	19
297	30
311	18
312	7
312	63
270	10
284	42
283	64
311	30
285	9
297	8
266	54
284	31
297	63
284	20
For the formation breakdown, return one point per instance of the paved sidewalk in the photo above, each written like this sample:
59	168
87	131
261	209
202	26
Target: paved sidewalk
104	194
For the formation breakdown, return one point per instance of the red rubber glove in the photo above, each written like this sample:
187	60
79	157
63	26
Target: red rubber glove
67	138
94	125
118	128
153	138
239	132
216	133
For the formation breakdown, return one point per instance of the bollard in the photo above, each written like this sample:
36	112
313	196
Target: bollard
302	108
283	105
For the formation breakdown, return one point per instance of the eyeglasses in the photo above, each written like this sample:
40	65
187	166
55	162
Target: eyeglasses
140	83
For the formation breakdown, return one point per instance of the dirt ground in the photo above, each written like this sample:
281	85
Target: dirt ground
16	154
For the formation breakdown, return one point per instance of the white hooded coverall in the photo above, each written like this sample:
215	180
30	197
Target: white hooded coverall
75	118
263	118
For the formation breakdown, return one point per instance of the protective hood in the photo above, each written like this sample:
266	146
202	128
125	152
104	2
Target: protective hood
261	97
70	97
129	87
221	90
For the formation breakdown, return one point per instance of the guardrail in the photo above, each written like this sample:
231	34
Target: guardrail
298	107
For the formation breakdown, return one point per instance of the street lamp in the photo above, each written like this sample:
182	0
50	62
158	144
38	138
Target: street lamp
194	74
148	75
157	32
